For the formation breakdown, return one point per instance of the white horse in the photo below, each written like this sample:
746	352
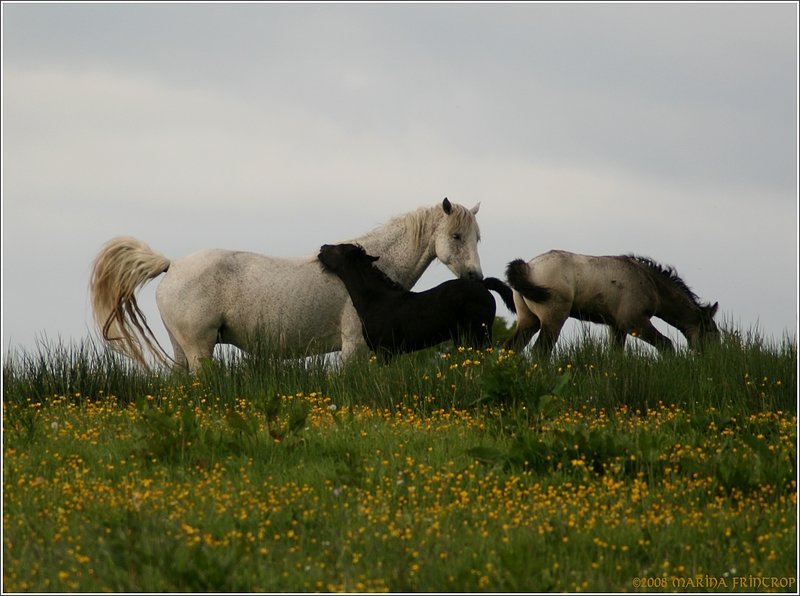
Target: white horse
223	296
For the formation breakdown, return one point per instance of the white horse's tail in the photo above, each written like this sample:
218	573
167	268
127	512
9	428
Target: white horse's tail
122	267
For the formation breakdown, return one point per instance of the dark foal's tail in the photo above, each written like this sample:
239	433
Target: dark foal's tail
517	275
506	293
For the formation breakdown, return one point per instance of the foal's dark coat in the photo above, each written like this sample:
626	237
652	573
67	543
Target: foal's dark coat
395	320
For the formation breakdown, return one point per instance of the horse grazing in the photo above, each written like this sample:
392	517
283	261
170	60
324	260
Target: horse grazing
395	320
623	292
223	296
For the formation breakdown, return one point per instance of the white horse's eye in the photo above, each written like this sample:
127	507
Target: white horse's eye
457	237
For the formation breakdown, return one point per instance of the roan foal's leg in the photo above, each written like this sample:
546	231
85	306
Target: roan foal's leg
528	325
523	332
553	319
654	337
547	338
617	337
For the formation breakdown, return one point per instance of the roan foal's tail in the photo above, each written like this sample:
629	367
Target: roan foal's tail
517	276
494	284
122	266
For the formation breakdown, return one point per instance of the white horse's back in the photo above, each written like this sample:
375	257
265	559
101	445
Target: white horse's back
228	296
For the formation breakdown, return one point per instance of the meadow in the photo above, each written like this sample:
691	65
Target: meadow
446	470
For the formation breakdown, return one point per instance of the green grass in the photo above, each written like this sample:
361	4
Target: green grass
448	470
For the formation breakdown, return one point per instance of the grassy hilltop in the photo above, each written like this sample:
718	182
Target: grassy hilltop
451	470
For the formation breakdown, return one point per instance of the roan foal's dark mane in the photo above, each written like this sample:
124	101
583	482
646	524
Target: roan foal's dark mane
669	274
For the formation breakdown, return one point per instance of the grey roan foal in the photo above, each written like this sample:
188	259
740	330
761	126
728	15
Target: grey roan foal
623	292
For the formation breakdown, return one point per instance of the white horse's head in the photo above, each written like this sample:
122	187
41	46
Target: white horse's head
456	240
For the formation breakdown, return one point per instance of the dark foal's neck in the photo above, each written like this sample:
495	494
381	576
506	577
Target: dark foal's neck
365	283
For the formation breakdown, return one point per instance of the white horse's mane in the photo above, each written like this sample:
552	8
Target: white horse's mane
421	221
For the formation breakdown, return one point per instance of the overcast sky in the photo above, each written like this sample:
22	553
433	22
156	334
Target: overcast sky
666	130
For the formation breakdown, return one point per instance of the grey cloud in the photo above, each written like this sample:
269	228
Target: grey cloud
662	128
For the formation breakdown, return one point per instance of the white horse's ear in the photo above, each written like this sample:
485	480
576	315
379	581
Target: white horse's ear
713	310
448	208
475	208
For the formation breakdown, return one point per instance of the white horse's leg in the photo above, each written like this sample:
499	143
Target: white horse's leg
192	345
201	348
352	335
191	313
180	355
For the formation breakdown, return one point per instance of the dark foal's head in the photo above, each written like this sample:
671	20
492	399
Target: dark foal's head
352	264
335	257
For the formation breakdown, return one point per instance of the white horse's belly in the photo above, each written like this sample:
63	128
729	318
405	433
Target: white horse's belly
290	301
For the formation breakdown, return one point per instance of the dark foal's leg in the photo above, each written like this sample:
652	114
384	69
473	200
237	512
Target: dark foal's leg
384	355
475	335
478	336
486	337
